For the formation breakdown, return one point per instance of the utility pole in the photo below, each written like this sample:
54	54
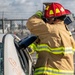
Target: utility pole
22	26
3	21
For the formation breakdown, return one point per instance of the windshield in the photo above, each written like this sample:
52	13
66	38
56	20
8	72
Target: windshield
1	59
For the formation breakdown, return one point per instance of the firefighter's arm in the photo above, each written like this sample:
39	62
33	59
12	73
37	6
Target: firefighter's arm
34	24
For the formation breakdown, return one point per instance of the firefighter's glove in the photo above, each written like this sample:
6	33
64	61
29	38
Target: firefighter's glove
39	14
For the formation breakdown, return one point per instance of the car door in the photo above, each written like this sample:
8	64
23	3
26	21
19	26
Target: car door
13	61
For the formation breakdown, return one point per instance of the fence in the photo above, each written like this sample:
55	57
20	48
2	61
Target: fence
11	26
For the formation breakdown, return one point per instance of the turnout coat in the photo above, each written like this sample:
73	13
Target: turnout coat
55	47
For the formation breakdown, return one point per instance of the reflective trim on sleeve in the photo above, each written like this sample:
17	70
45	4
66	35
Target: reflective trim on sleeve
45	47
33	47
52	71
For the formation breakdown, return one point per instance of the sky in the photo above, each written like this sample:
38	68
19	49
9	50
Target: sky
26	8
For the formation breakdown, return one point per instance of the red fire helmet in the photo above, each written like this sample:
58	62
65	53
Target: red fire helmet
68	11
55	10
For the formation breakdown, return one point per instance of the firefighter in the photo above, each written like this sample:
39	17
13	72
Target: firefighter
55	44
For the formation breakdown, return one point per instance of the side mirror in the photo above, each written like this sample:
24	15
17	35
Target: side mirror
25	42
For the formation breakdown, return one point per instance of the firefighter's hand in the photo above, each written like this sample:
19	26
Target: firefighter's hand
30	50
39	14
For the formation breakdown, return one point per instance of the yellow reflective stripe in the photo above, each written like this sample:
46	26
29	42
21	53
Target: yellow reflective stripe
47	7
45	47
51	12
52	71
73	49
57	10
32	46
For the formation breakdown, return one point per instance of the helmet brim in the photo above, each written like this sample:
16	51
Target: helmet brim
67	11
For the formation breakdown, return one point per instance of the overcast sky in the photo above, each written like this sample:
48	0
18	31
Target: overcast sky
25	8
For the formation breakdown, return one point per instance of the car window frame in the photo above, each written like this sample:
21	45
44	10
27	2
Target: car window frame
23	58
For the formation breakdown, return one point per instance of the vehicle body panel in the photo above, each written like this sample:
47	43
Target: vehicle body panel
12	63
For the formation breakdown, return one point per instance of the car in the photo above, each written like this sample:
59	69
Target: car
14	55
